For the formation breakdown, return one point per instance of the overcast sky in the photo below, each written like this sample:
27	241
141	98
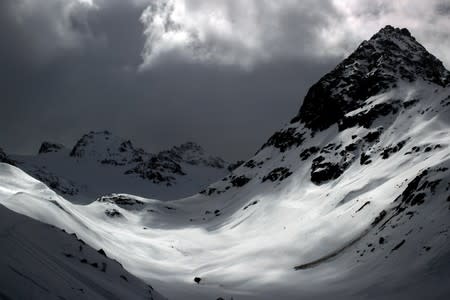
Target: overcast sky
225	74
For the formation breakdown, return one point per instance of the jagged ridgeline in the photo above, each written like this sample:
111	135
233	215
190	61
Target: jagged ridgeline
100	163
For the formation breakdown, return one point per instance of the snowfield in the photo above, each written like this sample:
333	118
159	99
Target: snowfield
38	261
353	209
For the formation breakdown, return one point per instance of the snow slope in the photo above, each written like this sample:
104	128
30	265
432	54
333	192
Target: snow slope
102	163
38	261
351	206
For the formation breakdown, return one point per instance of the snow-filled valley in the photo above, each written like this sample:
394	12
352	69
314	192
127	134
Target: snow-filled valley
350	200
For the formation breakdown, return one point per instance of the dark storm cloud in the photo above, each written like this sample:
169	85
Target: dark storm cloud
59	93
35	31
226	81
95	85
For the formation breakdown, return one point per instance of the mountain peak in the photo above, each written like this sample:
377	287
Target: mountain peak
390	56
389	29
106	148
49	147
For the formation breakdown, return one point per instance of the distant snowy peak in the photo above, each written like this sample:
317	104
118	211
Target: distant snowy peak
101	162
48	147
4	158
390	56
106	148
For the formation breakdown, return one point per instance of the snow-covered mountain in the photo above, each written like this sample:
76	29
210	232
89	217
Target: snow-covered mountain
102	163
350	200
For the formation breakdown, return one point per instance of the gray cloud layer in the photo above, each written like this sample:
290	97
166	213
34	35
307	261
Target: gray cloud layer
222	73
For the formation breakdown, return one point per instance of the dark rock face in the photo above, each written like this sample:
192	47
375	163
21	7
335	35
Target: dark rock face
373	136
239	181
285	139
392	149
366	118
351	147
120	200
323	171
208	191
253	164
417	190
157	169
47	147
280	174
424	148
390	55
365	159
113	213
232	180
334	160
308	152
445	102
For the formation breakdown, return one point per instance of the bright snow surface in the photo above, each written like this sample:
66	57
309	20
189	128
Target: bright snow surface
245	242
39	261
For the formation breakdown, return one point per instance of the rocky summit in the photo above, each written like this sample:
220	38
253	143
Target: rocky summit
390	56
